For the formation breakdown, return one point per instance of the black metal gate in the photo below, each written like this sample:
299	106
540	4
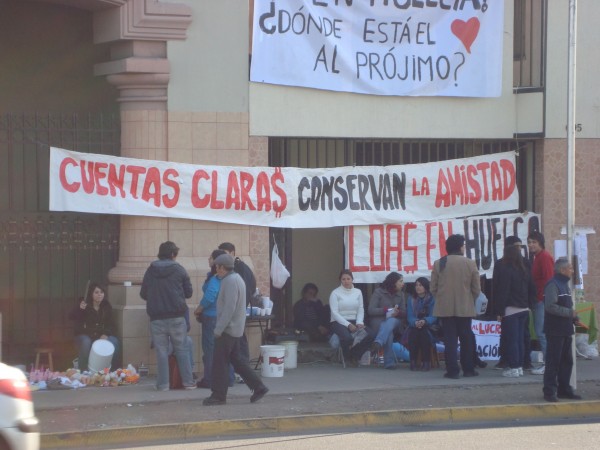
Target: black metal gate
46	258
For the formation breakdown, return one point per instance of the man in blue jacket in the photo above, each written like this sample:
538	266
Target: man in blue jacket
165	287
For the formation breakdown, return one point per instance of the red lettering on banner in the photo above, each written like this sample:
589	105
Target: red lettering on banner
410	248
87	181
351	263
483	328
471	184
215	203
151	189
107	179
99	174
238	193
233	192
263	193
373	230
197	201
135	172
171	202
116	181
279	206
389	248
424	187
246	182
69	187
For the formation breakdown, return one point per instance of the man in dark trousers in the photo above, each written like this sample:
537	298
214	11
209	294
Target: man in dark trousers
455	286
247	275
165	287
231	320
559	319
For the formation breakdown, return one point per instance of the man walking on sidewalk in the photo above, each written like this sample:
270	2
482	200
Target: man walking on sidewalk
542	271
165	287
558	325
455	286
231	320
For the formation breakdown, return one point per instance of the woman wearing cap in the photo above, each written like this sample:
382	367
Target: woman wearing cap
347	318
513	289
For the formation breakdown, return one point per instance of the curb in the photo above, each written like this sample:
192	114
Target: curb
293	424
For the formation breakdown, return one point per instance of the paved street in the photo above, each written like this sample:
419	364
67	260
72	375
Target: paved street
311	397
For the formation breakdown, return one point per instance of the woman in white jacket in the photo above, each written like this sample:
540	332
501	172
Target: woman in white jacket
347	318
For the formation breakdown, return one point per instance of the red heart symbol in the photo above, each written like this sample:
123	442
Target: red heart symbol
466	31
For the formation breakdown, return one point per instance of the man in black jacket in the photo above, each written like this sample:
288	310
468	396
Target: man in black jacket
242	269
165	287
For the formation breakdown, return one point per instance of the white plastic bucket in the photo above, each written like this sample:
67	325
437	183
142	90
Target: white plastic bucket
100	355
272	360
291	354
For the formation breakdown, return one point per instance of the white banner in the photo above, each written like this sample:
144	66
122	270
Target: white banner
285	197
487	338
411	248
416	48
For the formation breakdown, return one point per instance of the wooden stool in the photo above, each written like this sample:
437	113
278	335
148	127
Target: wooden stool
44	351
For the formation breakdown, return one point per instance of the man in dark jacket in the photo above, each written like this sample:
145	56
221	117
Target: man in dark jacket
559	319
242	269
165	287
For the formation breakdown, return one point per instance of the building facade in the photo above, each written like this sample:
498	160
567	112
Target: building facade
174	74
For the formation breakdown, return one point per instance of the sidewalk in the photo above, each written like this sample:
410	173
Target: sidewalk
313	396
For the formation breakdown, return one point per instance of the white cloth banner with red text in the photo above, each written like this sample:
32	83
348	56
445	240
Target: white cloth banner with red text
411	248
445	48
487	339
285	197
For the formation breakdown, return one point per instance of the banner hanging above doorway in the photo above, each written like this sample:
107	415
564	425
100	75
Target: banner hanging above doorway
284	197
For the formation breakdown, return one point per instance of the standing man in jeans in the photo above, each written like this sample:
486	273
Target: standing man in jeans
455	286
231	320
542	271
165	287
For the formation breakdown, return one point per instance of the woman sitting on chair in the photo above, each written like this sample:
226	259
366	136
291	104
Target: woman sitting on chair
347	318
420	319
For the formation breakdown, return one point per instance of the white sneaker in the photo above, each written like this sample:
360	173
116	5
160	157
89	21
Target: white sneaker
511	373
539	371
520	369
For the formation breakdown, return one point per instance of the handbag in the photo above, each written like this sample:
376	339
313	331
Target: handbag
175	381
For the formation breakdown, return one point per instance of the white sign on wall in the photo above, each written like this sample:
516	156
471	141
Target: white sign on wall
409	48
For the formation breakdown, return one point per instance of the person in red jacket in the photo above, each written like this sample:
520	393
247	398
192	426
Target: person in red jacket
542	271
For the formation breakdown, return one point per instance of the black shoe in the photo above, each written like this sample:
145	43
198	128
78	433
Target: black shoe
474	373
481	364
550	398
452	376
528	366
571	396
211	401
258	394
